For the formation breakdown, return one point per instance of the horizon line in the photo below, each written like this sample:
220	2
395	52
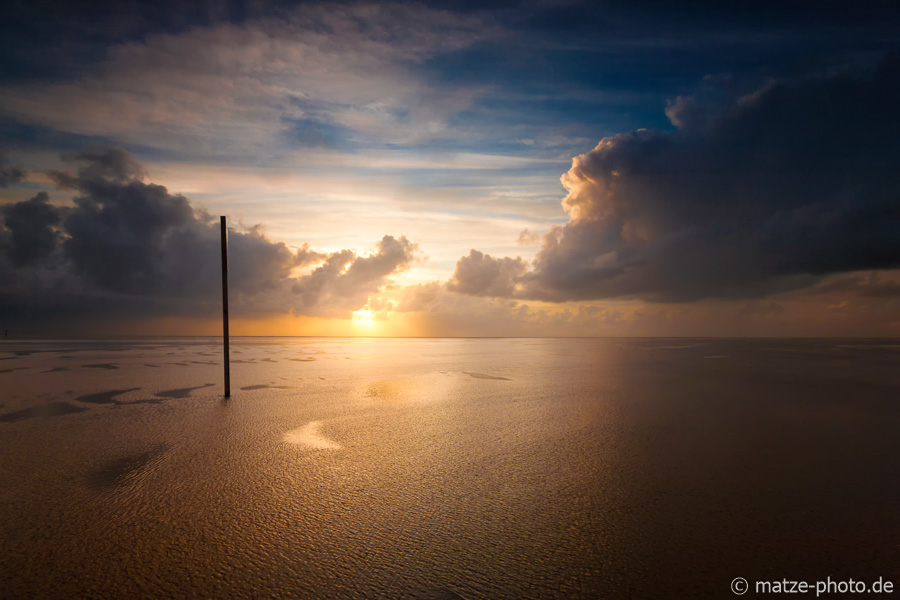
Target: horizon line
452	337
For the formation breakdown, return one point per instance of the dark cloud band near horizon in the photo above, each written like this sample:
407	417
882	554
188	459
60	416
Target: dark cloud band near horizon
130	248
764	193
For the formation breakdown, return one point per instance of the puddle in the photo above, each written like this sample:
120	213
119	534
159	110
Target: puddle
104	397
181	392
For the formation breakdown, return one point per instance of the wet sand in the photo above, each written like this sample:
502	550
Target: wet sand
446	468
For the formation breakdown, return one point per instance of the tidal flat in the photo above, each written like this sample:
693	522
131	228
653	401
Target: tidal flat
445	468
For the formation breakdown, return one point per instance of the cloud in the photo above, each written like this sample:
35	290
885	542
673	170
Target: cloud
314	75
99	165
868	285
344	282
528	238
439	311
436	311
483	275
9	175
134	248
768	193
29	234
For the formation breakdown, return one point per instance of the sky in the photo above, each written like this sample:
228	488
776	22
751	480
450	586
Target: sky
526	168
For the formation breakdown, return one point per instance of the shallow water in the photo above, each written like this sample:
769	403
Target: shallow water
442	468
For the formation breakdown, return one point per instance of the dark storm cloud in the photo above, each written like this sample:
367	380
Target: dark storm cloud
768	193
29	235
125	242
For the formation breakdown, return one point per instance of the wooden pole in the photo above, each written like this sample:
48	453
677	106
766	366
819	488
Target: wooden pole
225	303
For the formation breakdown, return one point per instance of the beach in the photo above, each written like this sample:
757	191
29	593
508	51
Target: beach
445	467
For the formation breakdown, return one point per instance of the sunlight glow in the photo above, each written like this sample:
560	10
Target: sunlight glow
364	316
